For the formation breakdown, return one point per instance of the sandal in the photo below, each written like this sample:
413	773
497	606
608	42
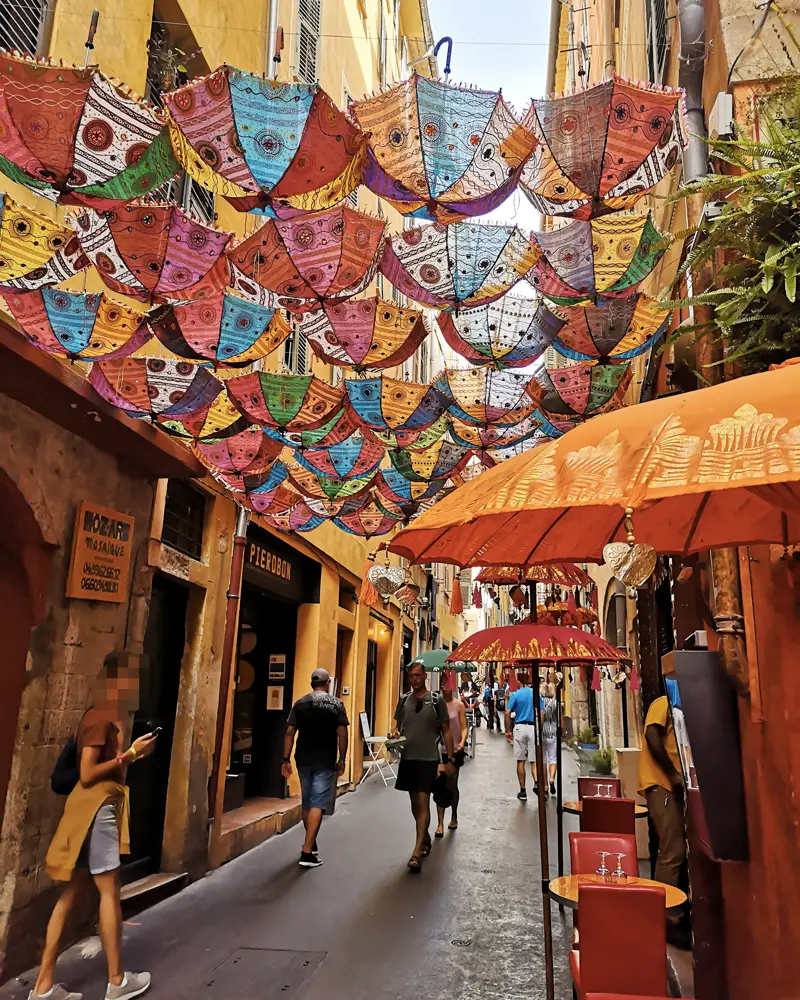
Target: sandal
439	835
426	847
452	826
414	865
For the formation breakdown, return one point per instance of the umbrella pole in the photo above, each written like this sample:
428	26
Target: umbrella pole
543	844
559	786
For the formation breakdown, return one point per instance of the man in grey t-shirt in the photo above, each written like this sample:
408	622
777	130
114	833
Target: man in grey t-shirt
423	720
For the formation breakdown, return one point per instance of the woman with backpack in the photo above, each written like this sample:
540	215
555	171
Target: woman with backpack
93	830
548	693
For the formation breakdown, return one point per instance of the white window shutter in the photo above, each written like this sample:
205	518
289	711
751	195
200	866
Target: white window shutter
309	25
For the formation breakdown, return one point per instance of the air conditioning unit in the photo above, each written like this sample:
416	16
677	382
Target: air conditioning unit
721	122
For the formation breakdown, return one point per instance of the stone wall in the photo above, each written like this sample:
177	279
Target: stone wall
55	471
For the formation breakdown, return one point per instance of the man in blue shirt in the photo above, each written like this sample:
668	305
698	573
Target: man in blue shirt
520	703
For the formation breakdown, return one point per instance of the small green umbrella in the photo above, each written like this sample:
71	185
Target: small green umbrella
436	660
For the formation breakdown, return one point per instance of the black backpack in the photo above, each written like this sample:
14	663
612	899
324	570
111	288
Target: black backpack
65	773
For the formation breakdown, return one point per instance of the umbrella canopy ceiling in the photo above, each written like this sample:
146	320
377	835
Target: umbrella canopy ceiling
552	643
612	330
557	574
701	470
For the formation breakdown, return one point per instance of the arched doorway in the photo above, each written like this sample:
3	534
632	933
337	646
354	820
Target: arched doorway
25	558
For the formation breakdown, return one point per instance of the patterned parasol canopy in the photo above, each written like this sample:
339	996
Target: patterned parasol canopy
285	402
249	452
395	488
601	149
490	437
264	145
612	330
441	152
609	256
390	404
311	485
509	333
555	574
355	456
300	517
368	521
581	390
261	484
363	334
34	250
487	397
413	440
463	264
440	461
223	328
323	255
85	326
70	133
215	421
154	251
154	387
552	643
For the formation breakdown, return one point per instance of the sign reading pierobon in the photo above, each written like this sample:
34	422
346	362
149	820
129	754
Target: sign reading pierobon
101	554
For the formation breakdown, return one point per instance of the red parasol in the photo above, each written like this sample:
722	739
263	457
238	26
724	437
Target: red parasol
551	643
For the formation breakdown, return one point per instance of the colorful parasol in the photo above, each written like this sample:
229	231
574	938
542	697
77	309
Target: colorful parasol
440	152
601	149
300	517
261	484
440	461
483	438
351	458
264	145
486	397
154	251
85	326
413	440
333	431
34	250
323	255
463	264
580	390
311	485
222	328
156	387
609	256
285	402
406	509
397	489
554	574
553	643
215	421
363	334
700	470
369	521
247	453
389	404
510	333
72	134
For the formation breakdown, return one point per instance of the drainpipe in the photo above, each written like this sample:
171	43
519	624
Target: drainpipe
271	68
692	21
552	49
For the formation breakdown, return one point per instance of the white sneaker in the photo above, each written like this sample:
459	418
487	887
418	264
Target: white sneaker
56	993
133	985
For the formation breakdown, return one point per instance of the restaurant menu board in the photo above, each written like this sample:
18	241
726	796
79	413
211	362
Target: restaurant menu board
102	546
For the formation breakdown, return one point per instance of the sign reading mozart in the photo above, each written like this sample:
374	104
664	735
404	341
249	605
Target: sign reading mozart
102	546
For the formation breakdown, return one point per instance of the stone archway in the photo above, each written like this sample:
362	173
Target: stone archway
25	560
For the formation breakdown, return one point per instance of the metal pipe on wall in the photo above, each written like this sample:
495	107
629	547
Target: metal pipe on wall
271	67
552	48
691	61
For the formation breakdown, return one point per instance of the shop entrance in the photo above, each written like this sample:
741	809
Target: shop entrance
159	684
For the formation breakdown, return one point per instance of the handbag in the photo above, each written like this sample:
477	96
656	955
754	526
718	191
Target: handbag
442	791
64	776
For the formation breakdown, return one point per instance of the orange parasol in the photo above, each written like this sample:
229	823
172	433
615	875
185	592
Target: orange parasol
556	574
701	470
551	643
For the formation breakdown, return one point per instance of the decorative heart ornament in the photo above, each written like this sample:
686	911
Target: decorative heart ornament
387	580
633	564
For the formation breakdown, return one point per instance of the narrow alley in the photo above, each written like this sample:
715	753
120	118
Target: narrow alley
361	927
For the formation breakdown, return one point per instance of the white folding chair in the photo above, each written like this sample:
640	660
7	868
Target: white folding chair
376	746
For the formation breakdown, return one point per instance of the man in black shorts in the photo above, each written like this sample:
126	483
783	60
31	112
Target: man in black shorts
423	720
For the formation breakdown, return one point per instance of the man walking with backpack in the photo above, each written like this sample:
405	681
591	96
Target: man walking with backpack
423	720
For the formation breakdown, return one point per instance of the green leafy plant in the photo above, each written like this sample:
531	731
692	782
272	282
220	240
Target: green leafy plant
753	243
586	735
603	761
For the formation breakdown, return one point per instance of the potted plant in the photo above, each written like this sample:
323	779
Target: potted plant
587	739
603	762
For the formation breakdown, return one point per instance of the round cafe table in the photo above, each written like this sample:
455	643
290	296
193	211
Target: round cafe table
564	890
576	808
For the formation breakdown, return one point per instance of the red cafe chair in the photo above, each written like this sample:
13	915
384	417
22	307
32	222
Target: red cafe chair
608	816
636	915
584	847
589	787
621	996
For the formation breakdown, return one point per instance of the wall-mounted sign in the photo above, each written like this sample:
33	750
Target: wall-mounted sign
276	568
263	558
274	698
277	666
102	545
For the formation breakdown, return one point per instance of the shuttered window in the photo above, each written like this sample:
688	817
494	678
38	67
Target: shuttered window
22	25
657	43
295	353
309	23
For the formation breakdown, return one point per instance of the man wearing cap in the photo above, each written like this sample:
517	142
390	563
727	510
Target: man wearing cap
319	721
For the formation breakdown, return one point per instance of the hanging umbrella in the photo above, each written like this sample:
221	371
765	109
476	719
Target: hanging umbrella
320	256
612	330
411	440
86	326
154	251
260	484
247	453
609	256
580	390
554	574
214	421
285	402
34	250
440	461
369	521
334	430
363	334
400	490
440	152
222	328
502	453
356	456
463	264
542	643
264	145
490	437
438	660
486	397
601	149
510	333
310	485
69	133
300	517
154	387
389	404
407	509
700	470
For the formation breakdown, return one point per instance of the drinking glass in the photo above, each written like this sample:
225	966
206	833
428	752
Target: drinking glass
619	872
602	870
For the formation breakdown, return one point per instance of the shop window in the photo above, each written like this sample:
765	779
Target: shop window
184	517
22	26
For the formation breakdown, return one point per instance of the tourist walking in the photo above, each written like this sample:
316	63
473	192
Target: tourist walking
500	695
93	831
489	704
458	727
523	738
423	720
548	693
319	721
